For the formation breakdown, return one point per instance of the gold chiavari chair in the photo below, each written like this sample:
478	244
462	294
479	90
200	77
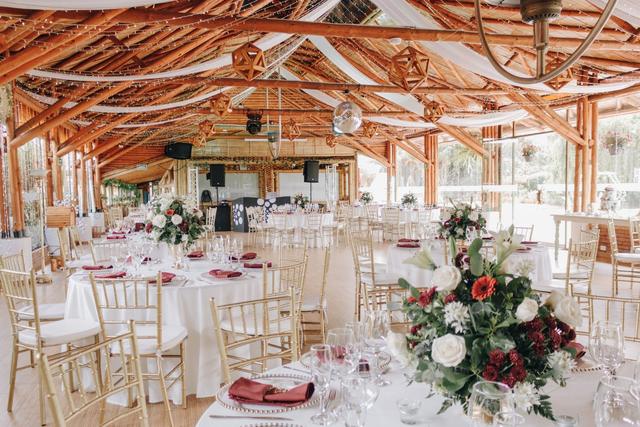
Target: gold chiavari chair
104	252
32	333
625	265
97	361
634	234
312	229
389	300
14	262
373	220
368	273
578	275
393	227
317	308
266	322
210	219
120	300
525	231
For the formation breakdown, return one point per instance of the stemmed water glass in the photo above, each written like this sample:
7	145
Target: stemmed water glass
345	359
487	399
376	332
616	402
321	364
606	346
355	402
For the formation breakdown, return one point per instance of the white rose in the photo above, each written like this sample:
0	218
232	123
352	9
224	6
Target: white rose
446	278
568	311
473	216
185	237
159	221
553	299
397	346
449	350
527	310
176	219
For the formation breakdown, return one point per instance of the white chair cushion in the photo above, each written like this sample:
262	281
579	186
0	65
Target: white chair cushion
576	275
628	257
171	337
385	279
46	312
61	332
313	305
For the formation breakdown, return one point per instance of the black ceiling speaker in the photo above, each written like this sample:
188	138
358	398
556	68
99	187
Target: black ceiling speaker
216	175
254	126
311	170
178	150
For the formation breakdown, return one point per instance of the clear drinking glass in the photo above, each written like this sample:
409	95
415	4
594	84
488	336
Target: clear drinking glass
487	399
409	409
321	367
606	345
376	333
508	419
355	402
616	402
359	329
341	341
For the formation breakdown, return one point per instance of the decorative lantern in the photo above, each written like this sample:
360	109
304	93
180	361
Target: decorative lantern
290	130
563	79
207	128
586	76
220	105
369	129
331	141
347	117
248	61
433	111
409	68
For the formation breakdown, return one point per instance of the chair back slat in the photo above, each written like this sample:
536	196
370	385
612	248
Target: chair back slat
613	238
20	294
625	311
107	251
389	299
14	262
634	234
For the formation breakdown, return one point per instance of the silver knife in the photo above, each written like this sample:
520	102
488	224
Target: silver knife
250	417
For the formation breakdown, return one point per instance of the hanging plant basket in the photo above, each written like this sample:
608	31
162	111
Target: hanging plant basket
614	149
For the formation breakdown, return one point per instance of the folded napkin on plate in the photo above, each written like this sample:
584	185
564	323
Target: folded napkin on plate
166	277
246	257
139	226
579	349
529	242
224	274
408	245
116	237
195	254
523	249
115	275
96	267
405	240
248	391
487	238
256	264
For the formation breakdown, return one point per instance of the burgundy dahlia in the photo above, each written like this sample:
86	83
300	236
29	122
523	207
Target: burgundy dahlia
515	357
496	357
450	298
490	373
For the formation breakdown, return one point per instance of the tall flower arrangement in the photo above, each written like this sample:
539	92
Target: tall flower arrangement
174	221
300	200
459	219
478	322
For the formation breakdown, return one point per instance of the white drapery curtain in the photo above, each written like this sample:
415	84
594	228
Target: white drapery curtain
78	4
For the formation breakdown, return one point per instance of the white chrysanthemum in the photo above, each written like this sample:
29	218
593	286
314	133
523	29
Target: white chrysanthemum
525	267
176	219
456	315
459	231
561	363
165	203
473	216
525	396
159	221
185	237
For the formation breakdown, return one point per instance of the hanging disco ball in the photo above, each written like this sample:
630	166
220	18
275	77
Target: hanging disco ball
347	117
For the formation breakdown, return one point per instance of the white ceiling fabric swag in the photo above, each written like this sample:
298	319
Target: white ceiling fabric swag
406	15
265	43
78	4
629	10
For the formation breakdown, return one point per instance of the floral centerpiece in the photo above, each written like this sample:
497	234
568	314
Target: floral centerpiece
528	151
366	198
300	201
174	221
479	323
409	200
461	217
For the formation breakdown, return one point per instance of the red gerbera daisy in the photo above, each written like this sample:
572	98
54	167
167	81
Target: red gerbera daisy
483	288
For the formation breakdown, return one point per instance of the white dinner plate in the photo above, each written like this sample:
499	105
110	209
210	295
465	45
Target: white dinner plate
210	278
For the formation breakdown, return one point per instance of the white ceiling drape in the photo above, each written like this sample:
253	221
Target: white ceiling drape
78	4
406	15
629	10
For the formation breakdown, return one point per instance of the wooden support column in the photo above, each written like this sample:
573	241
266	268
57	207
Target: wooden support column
594	151
97	194
47	164
431	171
390	154
17	211
74	179
586	154
491	164
56	172
4	209
83	186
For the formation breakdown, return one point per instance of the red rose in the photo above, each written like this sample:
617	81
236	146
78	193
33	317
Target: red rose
170	212
490	373
515	357
509	380
426	297
518	372
483	288
148	227
496	357
411	300
555	339
450	298
415	329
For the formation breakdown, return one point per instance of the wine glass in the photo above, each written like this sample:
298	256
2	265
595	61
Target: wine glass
487	399
355	402
616	402
321	364
341	341
359	330
376	333
606	345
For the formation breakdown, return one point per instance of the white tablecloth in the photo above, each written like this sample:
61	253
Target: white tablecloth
539	255
297	219
574	400
187	306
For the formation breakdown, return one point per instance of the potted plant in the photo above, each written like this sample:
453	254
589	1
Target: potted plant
409	200
529	151
366	198
614	141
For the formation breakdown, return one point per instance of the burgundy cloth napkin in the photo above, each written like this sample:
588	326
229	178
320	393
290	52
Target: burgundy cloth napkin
224	274
523	249
256	264
248	391
116	237
116	275
408	245
579	348
96	267
405	240
195	254
118	232
246	257
529	242
166	277
139	226
146	259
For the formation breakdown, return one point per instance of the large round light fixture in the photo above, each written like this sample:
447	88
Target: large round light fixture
347	117
540	13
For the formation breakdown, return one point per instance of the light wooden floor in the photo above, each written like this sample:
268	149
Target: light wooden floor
340	297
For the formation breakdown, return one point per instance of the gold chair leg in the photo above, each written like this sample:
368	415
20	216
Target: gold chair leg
12	377
43	414
183	350
163	388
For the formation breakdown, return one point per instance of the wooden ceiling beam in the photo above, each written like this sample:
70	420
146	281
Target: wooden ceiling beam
405	145
463	137
366	150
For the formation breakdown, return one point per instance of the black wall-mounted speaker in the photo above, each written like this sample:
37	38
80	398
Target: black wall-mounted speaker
311	170
216	175
178	150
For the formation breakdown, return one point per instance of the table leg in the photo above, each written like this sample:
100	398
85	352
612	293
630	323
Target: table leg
557	242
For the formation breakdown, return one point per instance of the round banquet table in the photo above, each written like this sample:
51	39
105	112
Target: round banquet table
539	255
575	400
298	219
184	303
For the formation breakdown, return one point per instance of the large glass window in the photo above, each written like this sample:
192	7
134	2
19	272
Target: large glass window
460	173
373	178
409	175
